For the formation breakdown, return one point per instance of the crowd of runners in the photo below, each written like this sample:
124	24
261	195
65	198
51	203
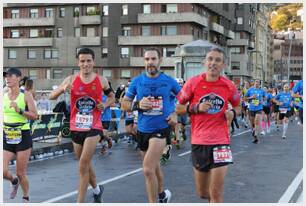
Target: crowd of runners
156	109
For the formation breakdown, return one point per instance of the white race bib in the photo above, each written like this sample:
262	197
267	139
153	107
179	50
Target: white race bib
83	121
283	110
222	154
157	107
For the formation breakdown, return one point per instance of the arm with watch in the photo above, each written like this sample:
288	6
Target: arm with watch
31	113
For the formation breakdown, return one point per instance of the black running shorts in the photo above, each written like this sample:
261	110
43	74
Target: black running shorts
25	143
79	137
143	138
204	156
253	113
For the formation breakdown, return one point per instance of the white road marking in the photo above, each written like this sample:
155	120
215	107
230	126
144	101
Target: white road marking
100	183
188	152
292	188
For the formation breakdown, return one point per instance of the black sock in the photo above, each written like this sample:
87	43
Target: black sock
26	198
15	181
162	195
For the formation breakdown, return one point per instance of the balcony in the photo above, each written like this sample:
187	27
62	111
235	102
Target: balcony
154	40
238	42
28	42
87	20
231	34
139	62
217	28
173	18
90	41
28	22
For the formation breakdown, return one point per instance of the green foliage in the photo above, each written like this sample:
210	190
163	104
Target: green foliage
286	17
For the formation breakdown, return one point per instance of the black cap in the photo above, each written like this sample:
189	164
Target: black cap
12	71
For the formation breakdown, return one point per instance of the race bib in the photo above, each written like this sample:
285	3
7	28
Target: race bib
157	107
283	110
13	135
83	121
255	102
222	154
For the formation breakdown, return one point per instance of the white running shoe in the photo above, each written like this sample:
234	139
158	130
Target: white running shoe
167	197
263	132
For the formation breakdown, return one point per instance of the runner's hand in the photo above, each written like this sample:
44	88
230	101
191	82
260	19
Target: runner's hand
15	106
100	106
205	106
172	119
145	103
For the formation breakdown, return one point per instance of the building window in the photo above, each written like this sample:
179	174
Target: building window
107	73
235	65
34	13
146	8
31	54
171	8
236	50
51	54
49	12
48	74
15	14
90	32
105	32
57	74
225	7
126	31
59	32
12	54
168	52
104	52
33	33
124	52
33	74
77	32
168	30
239	20
125	10
145	30
105	10
48	32
62	12
125	73
91	10
14	33
75	71
76	12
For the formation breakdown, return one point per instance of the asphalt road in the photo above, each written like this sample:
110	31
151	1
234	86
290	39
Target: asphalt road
261	173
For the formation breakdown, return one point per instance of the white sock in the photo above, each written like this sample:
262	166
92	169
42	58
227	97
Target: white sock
285	127
96	190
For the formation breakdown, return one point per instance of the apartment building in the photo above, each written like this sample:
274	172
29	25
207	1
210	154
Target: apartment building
43	39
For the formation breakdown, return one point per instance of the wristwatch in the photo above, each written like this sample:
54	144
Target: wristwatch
21	111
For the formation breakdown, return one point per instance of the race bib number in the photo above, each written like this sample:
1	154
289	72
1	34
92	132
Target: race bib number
222	154
255	102
283	110
83	121
13	135
129	115
157	107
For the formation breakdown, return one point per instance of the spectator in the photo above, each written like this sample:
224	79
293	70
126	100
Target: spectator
29	86
43	104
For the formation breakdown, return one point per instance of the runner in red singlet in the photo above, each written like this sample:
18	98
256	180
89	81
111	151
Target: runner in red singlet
208	95
86	89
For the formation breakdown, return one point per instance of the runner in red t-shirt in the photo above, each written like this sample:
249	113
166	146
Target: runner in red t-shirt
208	95
86	90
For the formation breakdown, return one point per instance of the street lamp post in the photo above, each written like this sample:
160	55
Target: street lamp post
289	53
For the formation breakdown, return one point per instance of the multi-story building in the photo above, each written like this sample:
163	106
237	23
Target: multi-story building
43	39
281	53
244	41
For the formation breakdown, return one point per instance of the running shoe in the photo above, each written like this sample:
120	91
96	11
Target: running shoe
14	189
98	197
255	141
167	197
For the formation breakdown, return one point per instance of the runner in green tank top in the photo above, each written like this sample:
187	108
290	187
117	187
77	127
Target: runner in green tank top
18	109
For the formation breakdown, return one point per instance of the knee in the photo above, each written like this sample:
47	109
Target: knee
83	167
203	194
148	171
21	174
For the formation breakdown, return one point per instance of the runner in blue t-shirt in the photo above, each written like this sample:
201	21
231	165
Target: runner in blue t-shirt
255	96
284	100
267	111
298	93
155	117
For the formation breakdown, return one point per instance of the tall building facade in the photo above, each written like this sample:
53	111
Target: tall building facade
43	39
